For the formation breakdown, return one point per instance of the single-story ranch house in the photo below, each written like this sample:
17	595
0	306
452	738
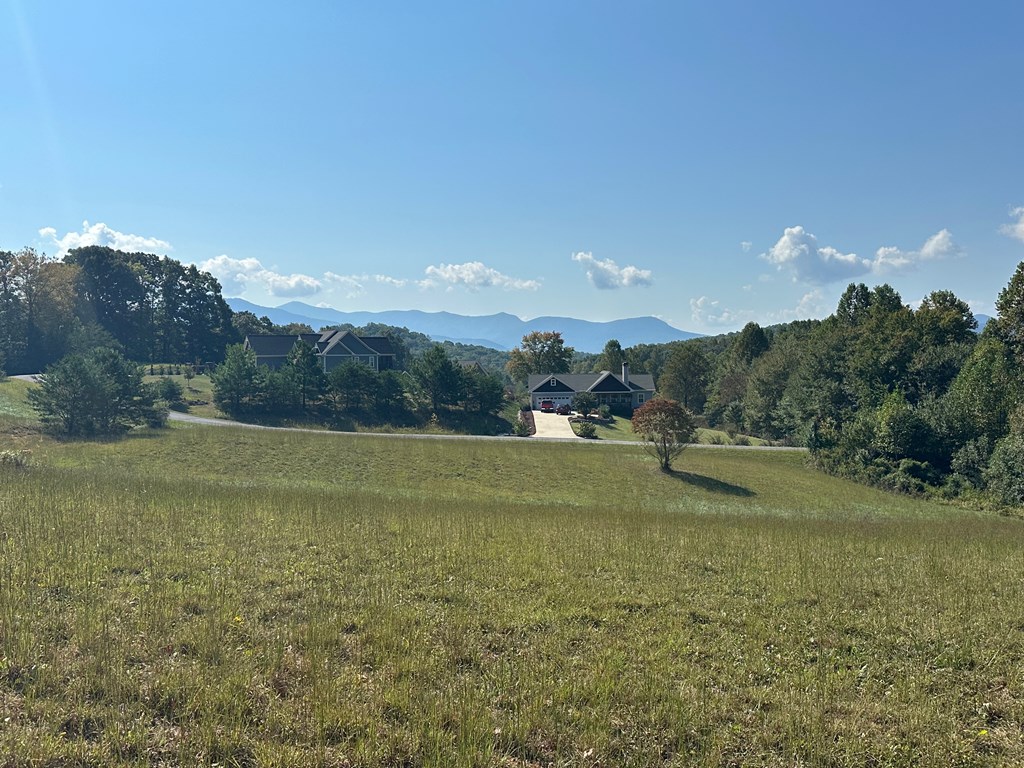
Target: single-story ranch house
624	391
332	347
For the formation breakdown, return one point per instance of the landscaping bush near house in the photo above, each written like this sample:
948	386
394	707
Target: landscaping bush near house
585	429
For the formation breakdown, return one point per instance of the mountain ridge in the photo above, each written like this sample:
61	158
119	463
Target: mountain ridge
498	331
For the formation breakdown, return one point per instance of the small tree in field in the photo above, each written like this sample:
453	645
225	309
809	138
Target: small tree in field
666	427
97	394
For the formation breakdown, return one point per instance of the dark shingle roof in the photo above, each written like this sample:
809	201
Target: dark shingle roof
265	345
279	345
608	382
348	342
380	344
590	382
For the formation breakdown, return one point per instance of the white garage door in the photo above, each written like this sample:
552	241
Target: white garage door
558	400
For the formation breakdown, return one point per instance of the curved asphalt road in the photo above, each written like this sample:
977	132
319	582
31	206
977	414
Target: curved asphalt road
188	418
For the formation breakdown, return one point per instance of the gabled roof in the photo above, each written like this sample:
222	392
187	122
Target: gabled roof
271	345
349	344
608	382
589	382
380	344
550	383
327	342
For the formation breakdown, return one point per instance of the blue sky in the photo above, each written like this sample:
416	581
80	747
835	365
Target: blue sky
708	163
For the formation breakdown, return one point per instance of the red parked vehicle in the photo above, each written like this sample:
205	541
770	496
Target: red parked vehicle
546	406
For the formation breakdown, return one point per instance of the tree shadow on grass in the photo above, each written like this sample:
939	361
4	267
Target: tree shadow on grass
711	484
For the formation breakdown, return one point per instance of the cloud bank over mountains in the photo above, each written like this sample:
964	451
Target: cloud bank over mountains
797	254
473	275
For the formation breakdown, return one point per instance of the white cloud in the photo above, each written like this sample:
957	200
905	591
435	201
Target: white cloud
394	282
889	259
351	285
708	311
607	275
798	252
811	305
473	275
101	234
746	245
1016	229
236	275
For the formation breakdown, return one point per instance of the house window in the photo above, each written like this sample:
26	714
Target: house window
640	398
552	382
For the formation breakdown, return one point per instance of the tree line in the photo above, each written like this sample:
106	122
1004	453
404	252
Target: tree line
149	307
434	385
914	400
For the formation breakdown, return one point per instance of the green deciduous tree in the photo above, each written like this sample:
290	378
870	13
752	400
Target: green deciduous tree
985	392
942	319
750	344
540	352
685	376
666	427
157	308
611	358
1004	476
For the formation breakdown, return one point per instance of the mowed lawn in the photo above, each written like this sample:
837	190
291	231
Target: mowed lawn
238	597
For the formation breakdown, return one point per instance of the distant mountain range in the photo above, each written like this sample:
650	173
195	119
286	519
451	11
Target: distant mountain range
501	331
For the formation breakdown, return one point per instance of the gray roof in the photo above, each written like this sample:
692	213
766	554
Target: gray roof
271	345
279	345
348	342
586	382
380	344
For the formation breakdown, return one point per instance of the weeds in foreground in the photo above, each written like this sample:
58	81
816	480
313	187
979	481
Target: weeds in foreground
351	616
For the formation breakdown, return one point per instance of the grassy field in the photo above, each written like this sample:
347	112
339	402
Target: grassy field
234	597
621	429
198	394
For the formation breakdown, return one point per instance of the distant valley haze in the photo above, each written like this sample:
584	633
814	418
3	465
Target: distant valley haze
498	331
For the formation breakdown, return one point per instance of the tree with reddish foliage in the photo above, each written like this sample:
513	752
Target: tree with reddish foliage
666	427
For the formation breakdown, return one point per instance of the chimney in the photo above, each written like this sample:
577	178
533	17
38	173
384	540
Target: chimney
625	374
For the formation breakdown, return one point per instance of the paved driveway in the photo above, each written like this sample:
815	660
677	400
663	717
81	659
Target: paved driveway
552	425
